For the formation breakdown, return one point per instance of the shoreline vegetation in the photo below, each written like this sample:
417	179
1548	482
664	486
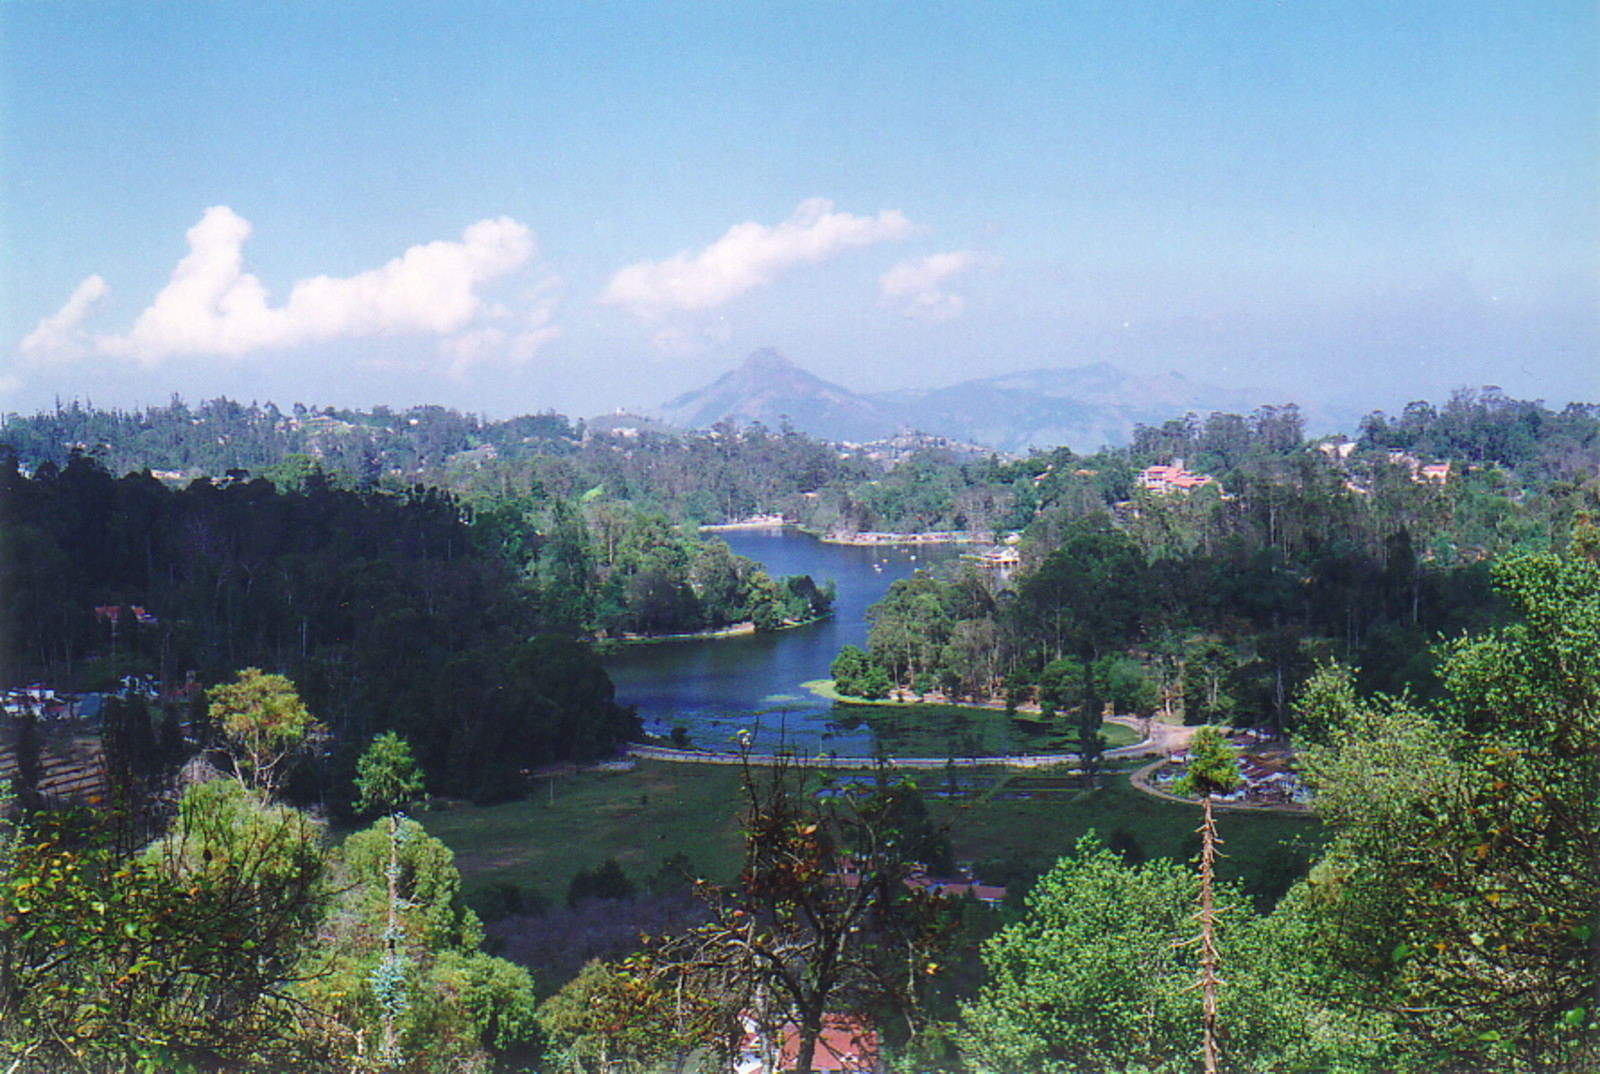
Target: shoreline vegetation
758	522
873	538
734	630
1151	730
1158	738
826	689
866	538
731	631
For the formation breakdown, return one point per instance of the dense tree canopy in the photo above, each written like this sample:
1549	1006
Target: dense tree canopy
1099	978
1469	835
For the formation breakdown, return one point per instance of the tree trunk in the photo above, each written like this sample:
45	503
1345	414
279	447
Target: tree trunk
391	935
1208	944
810	1029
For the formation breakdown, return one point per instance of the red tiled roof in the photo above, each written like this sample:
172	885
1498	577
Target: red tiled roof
845	1044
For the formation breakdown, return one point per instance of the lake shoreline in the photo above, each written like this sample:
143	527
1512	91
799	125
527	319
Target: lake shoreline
712	686
736	630
825	689
760	522
875	539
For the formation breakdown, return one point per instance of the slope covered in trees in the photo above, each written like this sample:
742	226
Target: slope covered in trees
1449	925
1439	680
386	610
1511	447
1220	599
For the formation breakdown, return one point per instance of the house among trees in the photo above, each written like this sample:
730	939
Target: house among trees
1002	558
942	887
1338	449
1164	480
846	1044
1437	472
990	895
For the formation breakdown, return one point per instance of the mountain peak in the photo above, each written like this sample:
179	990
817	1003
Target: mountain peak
1084	407
766	360
768	388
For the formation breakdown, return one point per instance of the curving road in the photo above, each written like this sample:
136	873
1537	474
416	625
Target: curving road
1160	739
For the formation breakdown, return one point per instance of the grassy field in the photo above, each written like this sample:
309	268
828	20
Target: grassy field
1026	820
1015	822
639	817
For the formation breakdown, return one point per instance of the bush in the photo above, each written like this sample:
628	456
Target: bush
497	783
504	899
875	684
675	873
608	881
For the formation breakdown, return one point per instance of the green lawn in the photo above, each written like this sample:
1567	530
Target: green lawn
1021	821
638	817
1025	818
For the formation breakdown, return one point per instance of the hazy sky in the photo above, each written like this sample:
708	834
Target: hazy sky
513	207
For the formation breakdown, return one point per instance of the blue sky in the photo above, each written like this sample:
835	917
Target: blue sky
514	207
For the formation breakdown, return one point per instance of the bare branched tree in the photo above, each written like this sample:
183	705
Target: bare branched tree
821	920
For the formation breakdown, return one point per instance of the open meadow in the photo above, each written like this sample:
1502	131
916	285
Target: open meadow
1010	823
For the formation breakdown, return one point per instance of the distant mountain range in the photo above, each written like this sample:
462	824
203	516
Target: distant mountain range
1084	408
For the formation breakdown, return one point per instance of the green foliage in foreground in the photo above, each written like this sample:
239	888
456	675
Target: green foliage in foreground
1463	887
386	775
1450	926
1096	978
264	722
1100	977
242	940
1213	765
450	1002
185	952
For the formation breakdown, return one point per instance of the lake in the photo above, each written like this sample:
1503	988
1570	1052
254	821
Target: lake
717	687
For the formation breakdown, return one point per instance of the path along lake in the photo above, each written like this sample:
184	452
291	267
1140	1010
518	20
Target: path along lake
717	687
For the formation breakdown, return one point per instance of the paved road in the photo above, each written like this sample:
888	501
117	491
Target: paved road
1156	744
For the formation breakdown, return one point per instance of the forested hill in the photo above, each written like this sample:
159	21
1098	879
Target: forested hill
391	610
398	576
222	435
396	562
730	473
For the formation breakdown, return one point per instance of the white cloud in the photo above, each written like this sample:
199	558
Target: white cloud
750	255
527	343
933	307
516	345
915	286
58	336
211	306
470	348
